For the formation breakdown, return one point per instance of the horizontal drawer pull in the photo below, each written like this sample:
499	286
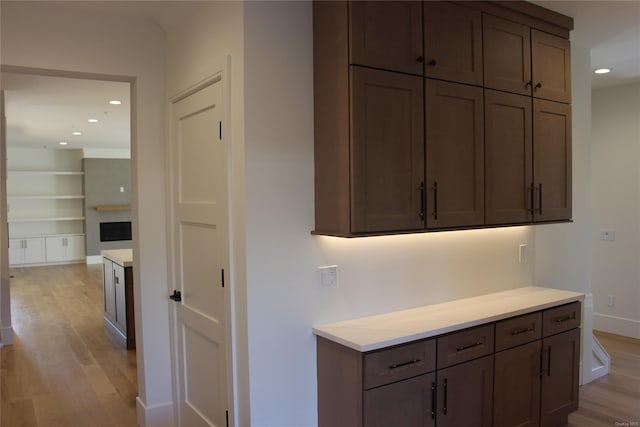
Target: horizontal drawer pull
467	347
400	365
522	331
565	319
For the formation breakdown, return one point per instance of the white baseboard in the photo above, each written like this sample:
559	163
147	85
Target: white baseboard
7	336
616	325
160	415
94	259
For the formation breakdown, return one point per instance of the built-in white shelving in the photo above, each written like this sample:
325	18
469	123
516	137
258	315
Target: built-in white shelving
45	200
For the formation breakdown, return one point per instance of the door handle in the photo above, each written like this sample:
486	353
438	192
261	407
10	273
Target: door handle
176	296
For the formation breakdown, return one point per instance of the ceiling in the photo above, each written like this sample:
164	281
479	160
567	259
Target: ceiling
42	111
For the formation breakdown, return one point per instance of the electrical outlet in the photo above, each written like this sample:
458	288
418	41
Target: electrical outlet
610	300
608	234
522	253
328	276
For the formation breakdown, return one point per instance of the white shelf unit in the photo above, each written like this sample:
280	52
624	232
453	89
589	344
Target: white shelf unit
45	206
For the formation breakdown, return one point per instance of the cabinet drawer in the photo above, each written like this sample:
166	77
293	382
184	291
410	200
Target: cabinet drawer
518	330
465	345
397	363
560	319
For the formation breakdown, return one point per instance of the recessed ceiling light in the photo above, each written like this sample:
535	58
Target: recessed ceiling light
77	133
93	120
115	102
63	143
602	71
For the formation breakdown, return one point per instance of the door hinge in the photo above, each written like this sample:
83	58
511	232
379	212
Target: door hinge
222	277
220	130
226	414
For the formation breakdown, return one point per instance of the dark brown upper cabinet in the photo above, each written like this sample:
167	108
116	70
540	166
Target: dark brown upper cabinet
508	159
528	159
386	35
526	61
387	143
507	55
455	155
551	62
400	91
551	160
453	42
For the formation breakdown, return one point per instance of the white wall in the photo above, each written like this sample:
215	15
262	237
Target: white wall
616	206
77	37
375	275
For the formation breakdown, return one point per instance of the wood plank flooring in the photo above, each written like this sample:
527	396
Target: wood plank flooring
64	368
613	400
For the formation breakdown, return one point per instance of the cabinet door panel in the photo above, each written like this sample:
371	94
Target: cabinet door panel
121	300
551	61
455	155
465	394
34	250
452	42
387	151
75	248
407	403
508	162
55	249
507	55
16	251
387	34
109	290
561	359
552	160
517	386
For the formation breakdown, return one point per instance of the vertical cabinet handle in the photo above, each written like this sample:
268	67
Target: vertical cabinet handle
435	200
422	200
540	200
549	362
433	401
444	407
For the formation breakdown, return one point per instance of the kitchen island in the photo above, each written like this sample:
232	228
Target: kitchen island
117	282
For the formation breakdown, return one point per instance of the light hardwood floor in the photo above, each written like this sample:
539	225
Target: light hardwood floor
64	368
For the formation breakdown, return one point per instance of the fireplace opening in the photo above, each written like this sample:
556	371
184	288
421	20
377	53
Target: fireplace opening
114	231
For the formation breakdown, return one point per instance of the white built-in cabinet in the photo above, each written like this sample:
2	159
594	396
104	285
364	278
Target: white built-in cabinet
45	206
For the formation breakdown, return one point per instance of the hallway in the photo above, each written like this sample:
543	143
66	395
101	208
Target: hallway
64	369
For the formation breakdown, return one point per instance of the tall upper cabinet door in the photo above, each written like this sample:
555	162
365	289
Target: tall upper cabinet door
387	35
551	59
387	143
508	163
552	160
455	154
507	55
453	42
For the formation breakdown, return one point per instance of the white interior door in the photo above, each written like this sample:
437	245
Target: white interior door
201	253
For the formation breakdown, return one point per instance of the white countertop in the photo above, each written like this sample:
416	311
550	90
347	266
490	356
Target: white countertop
123	257
375	332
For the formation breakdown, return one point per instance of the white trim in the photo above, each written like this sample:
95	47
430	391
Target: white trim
106	153
616	325
601	361
94	259
160	415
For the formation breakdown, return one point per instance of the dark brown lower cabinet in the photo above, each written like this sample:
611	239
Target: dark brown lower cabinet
560	361
517	386
465	394
408	403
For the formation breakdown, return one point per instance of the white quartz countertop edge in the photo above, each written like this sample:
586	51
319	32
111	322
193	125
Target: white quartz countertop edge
123	257
399	327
